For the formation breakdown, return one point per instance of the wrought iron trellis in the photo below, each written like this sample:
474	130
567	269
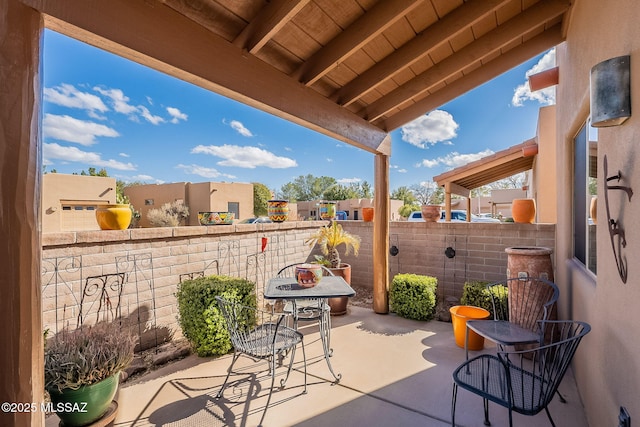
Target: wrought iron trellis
58	276
138	271
103	292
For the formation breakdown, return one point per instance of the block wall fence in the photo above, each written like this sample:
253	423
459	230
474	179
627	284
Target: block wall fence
72	259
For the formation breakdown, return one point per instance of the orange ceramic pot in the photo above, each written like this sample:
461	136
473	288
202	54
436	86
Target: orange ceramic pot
367	214
523	210
113	217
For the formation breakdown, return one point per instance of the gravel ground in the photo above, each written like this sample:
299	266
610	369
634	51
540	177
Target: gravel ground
363	297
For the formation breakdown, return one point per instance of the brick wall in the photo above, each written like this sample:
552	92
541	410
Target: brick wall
182	251
479	250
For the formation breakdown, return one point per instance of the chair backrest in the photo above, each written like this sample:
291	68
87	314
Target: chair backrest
239	320
290	270
535	374
528	300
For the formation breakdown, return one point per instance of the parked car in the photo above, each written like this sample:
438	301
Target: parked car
459	215
415	216
254	220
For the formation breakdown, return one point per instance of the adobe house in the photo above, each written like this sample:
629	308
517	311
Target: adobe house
368	69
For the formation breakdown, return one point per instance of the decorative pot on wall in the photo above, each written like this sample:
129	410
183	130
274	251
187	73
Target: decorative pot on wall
593	209
431	213
113	217
278	210
523	210
367	214
328	210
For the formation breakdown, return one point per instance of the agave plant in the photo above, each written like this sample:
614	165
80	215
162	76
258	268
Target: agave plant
329	238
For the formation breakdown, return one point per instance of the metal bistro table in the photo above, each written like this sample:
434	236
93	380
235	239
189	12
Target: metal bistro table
287	288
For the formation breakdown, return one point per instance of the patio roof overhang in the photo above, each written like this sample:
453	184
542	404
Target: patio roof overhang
500	165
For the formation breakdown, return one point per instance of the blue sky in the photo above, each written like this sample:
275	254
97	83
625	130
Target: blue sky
104	111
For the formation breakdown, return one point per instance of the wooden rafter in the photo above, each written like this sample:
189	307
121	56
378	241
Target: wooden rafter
473	52
271	19
370	25
417	48
513	57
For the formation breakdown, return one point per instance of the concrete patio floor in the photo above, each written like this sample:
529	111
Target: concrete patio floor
395	372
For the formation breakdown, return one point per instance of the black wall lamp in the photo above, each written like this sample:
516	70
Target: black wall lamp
611	92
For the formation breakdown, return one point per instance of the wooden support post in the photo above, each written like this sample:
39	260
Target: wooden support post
381	235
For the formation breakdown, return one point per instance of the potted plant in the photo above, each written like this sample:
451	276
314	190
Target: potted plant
328	239
82	370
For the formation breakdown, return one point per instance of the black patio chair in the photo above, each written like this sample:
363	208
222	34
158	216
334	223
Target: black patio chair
523	381
259	335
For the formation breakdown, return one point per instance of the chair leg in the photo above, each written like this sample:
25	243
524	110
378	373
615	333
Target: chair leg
561	397
453	404
224	384
486	412
283	381
304	360
546	408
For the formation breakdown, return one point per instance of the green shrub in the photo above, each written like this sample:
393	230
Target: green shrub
475	293
413	296
199	317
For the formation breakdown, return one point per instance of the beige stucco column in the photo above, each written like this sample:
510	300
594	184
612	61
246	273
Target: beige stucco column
381	235
21	357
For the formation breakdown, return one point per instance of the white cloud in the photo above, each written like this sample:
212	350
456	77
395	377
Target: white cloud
349	180
437	126
545	96
403	170
454	159
66	128
146	114
203	171
176	115
123	155
240	128
73	154
245	157
67	95
119	100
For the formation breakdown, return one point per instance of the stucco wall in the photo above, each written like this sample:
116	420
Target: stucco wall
607	365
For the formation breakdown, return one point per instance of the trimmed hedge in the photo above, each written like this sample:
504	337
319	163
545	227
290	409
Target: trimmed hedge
413	296
475	293
199	316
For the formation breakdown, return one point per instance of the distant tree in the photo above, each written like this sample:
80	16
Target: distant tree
261	194
405	194
338	192
366	192
427	193
92	172
307	187
405	210
514	181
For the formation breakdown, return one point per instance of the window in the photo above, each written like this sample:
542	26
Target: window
234	207
584	195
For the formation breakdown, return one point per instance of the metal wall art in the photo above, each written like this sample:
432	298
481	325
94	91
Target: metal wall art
616	232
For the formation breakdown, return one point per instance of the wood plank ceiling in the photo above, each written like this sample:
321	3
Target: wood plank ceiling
364	67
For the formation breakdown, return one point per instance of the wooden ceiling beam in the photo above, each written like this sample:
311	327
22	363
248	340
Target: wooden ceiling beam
536	45
138	31
358	34
511	30
417	48
269	21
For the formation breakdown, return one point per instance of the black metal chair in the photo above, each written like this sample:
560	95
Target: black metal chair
263	335
517	306
523	381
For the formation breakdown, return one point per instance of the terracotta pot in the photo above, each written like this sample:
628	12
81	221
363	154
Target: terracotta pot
339	305
113	217
593	209
367	214
524	262
523	210
431	213
278	210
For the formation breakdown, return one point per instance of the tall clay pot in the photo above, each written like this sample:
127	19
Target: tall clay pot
523	210
113	217
367	214
278	210
339	304
525	262
431	213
